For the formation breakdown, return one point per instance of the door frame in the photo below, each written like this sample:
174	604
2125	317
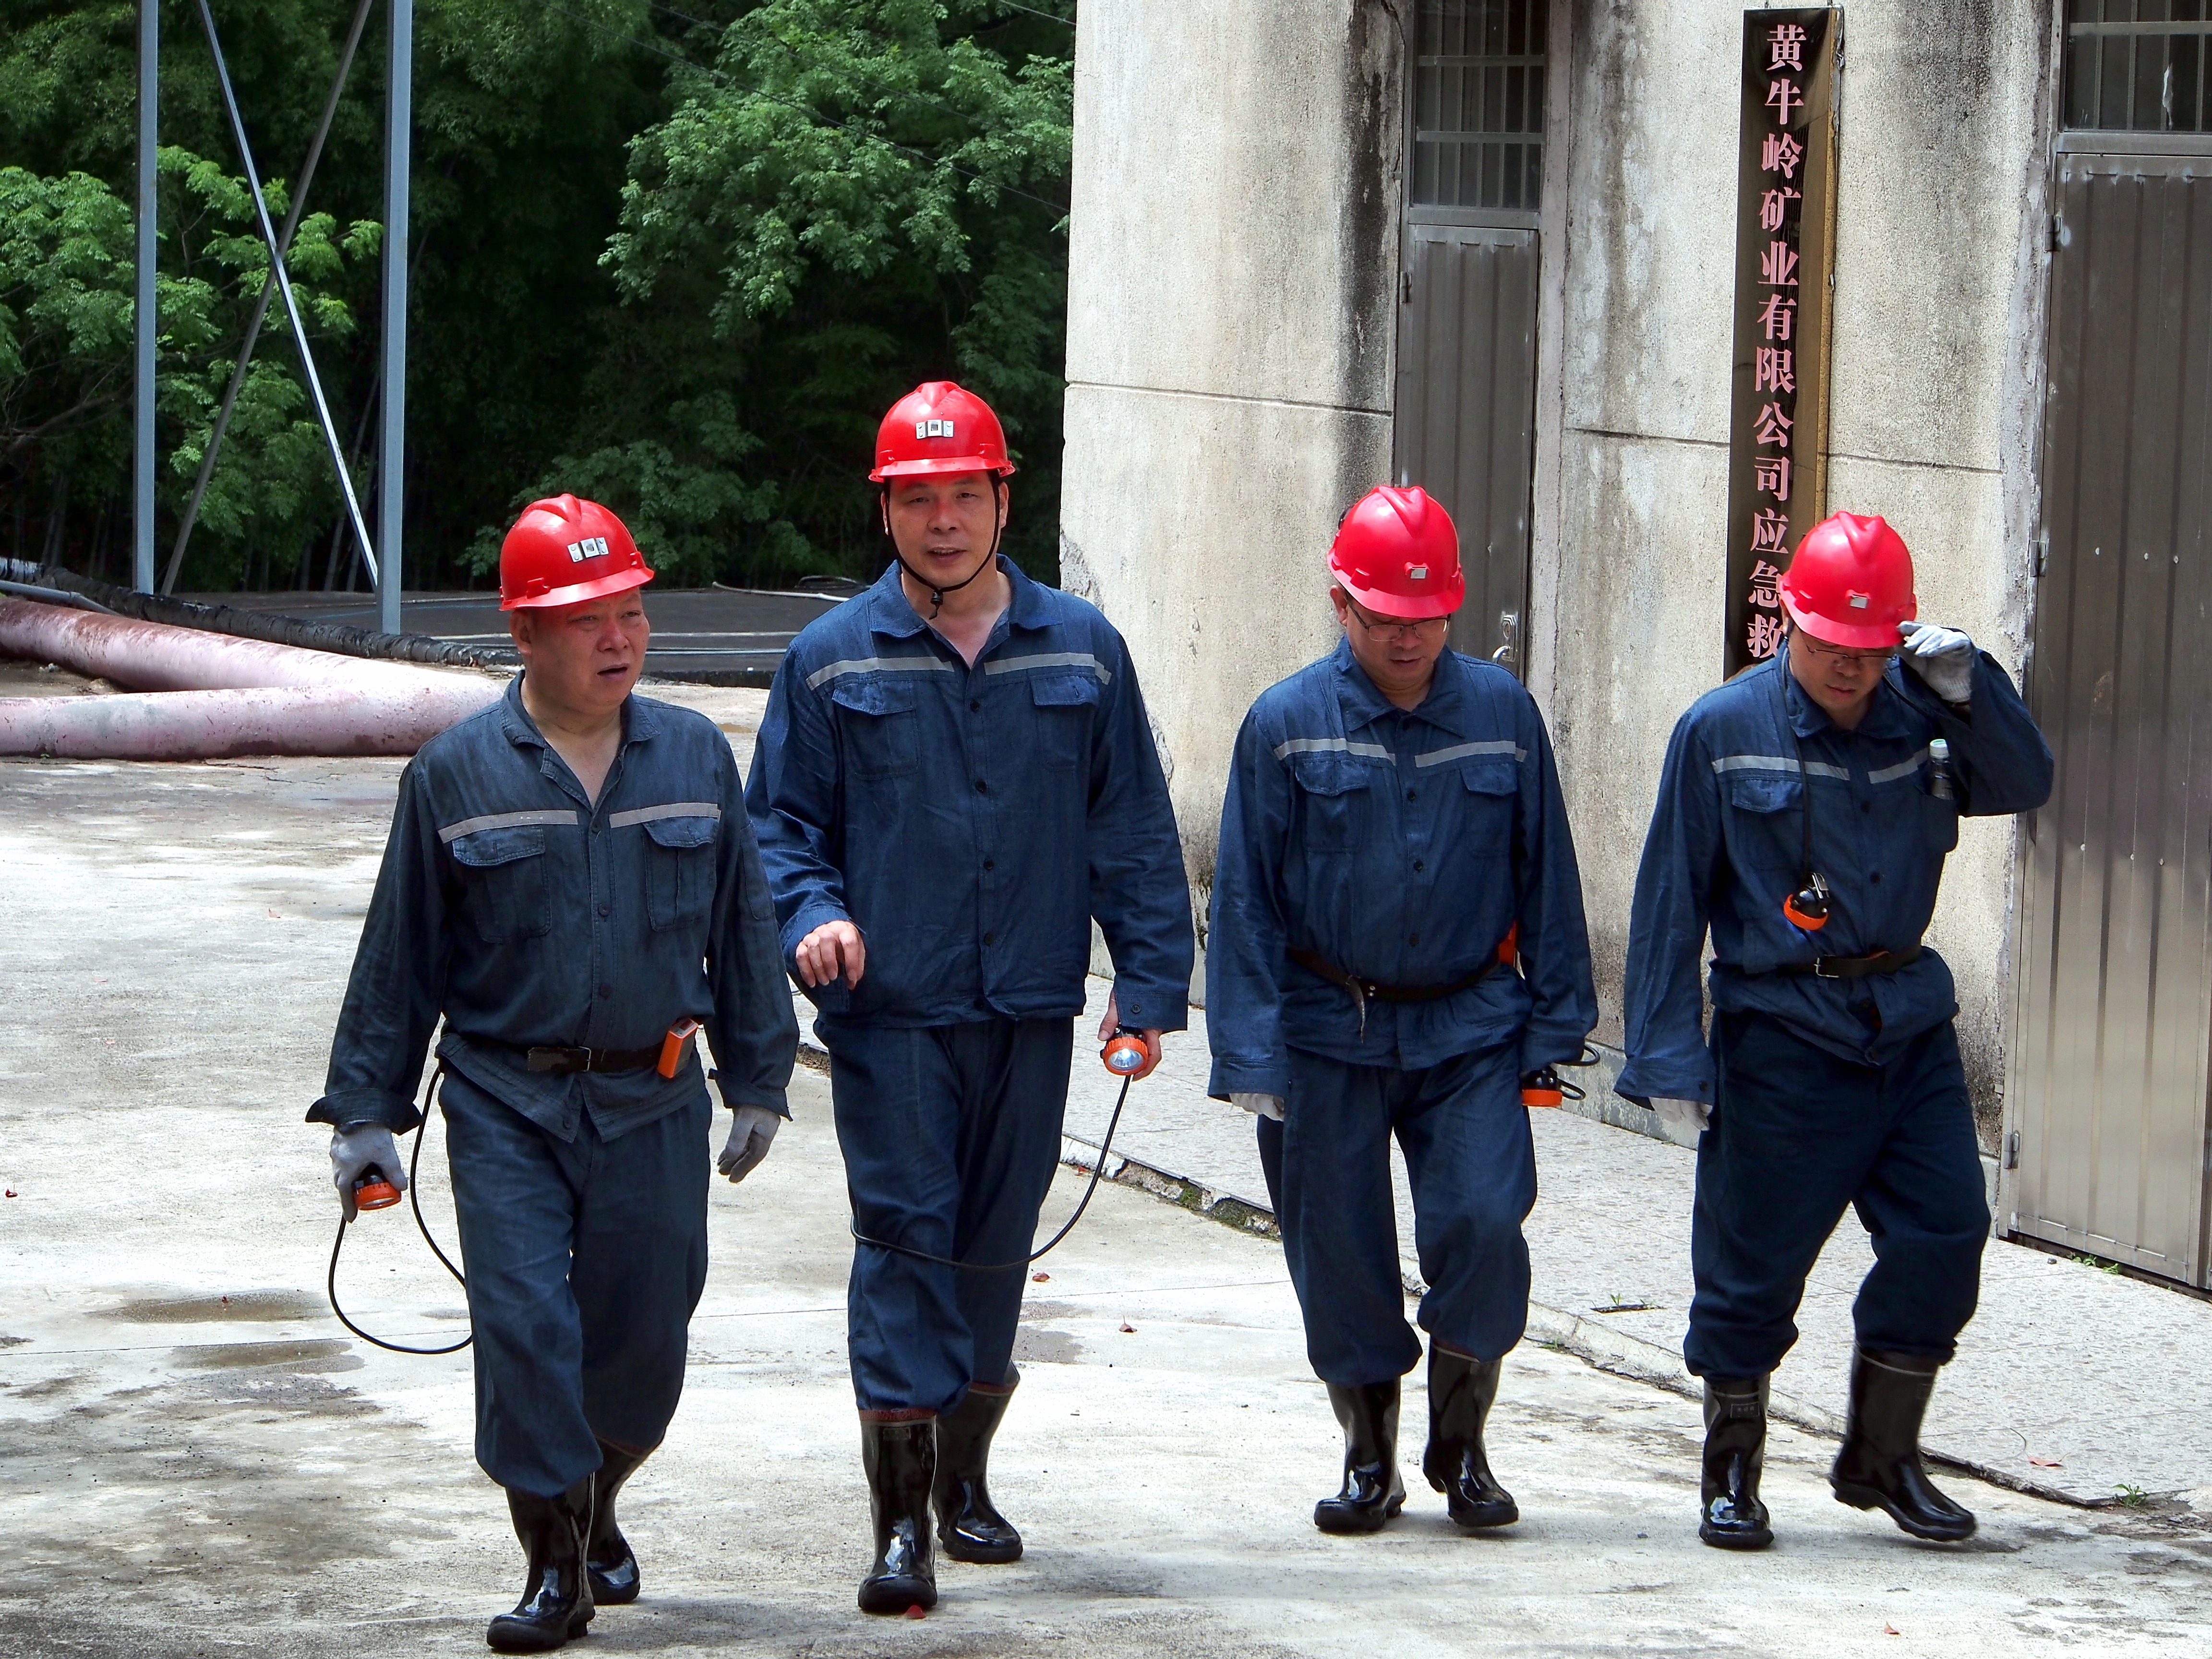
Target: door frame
1538	664
2056	141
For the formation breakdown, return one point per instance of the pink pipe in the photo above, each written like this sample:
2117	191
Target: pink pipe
167	725
142	656
210	695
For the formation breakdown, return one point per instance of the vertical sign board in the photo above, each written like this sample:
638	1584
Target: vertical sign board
1785	247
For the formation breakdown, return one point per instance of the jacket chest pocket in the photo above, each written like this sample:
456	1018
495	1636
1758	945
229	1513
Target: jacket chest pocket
679	870
879	729
1063	708
1765	830
505	895
1489	791
1334	793
1940	819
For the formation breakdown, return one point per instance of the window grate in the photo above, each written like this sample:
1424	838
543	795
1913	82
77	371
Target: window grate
1479	105
2138	65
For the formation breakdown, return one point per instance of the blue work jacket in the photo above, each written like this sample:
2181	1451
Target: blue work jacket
1401	846
971	822
527	914
1727	847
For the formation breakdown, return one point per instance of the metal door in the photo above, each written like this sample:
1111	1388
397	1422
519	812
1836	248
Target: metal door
1466	406
1467	411
2116	989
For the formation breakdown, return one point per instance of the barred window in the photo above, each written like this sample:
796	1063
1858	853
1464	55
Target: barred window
2138	65
1478	104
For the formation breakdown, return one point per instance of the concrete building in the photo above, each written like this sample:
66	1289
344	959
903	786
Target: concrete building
1492	247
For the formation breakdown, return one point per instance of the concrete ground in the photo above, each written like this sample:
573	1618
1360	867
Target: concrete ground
195	1458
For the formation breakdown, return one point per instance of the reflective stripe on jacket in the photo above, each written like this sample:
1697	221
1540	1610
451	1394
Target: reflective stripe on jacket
1401	846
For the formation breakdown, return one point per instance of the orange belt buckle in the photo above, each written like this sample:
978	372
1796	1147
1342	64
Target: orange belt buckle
671	1046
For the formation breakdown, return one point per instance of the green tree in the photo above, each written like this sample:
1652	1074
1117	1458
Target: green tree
857	194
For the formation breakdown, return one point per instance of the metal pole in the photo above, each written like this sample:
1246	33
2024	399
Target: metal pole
261	307
392	469
145	322
284	288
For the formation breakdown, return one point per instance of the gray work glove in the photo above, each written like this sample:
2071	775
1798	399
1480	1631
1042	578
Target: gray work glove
1259	1105
1943	657
752	1129
353	1147
1684	1121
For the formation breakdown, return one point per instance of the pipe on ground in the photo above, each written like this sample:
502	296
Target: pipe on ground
211	695
176	726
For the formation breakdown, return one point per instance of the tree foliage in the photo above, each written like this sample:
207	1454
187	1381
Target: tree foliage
677	258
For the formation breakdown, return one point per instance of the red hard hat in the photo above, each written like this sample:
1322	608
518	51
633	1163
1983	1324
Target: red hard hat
562	551
1850	583
1397	553
940	428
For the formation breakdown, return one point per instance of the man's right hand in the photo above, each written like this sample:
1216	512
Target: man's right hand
832	949
1684	1121
354	1148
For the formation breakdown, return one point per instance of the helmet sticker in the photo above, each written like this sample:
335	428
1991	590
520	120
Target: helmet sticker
1856	600
592	547
932	428
1419	573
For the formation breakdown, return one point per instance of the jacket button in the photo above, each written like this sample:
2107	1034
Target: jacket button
974	706
990	938
1412	794
606	990
606	910
1875	879
1866	806
990	864
1414	939
981	788
1418	866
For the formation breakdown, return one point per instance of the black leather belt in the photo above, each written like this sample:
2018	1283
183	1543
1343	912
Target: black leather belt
563	1062
1362	989
1878	962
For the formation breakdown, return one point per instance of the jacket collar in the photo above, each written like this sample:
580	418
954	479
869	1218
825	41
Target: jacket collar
890	612
1450	705
1889	716
640	723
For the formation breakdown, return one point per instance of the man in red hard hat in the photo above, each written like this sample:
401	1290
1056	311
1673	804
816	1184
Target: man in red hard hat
1803	818
954	777
1393	826
572	885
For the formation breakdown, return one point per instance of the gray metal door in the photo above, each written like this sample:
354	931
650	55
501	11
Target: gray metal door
2110	1056
1467	411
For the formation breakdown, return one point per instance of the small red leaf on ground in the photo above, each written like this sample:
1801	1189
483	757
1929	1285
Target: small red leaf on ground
1891	1630
2047	1462
1128	1329
1040	1278
917	1611
11	1192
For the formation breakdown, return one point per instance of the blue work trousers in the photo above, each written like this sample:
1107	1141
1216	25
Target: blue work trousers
951	1137
1472	1165
584	1259
1798	1135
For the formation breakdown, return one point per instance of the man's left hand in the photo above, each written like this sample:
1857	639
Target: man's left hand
1151	1033
1943	657
752	1129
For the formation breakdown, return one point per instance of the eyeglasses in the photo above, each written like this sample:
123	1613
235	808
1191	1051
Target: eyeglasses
1395	631
1877	660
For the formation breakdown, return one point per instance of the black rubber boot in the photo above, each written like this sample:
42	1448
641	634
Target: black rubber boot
1461	1391
901	1461
1731	1517
607	1555
1880	1466
1373	1489
556	1597
968	1525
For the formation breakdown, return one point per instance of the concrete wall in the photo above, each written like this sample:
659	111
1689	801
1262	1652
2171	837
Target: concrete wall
1234	236
1230	350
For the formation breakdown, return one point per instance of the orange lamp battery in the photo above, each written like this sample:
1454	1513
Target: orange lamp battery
1541	1089
373	1191
671	1046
